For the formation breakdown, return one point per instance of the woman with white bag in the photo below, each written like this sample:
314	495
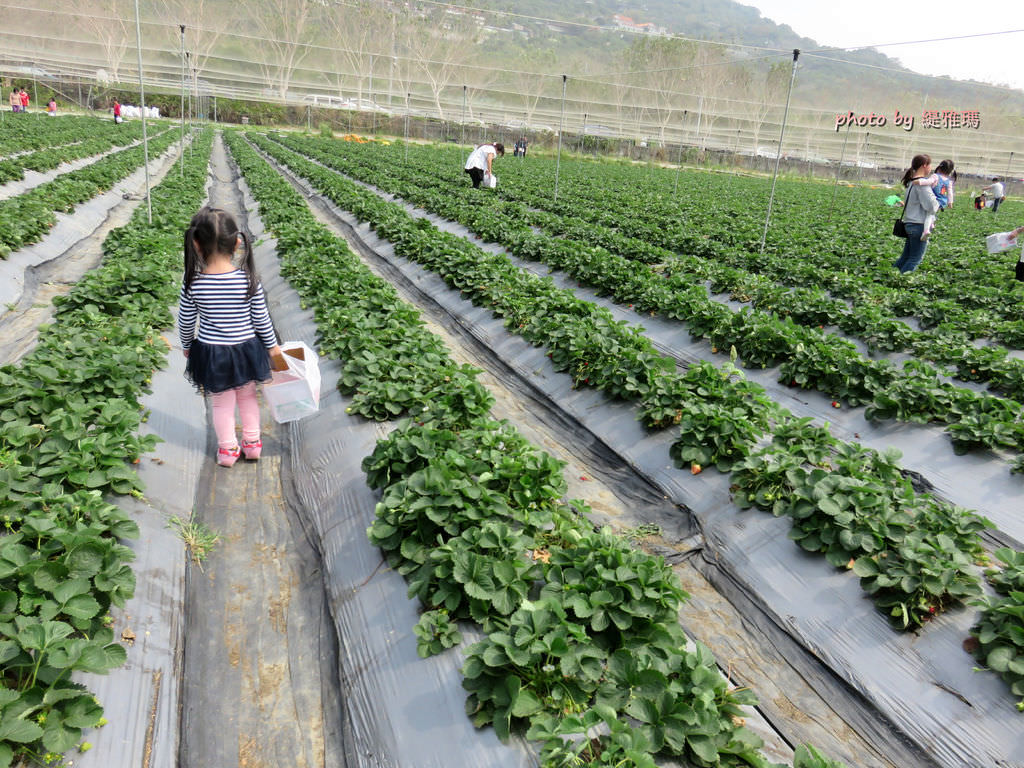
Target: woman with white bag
478	166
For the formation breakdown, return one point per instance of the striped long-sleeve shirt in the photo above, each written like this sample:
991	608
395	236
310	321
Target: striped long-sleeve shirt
225	315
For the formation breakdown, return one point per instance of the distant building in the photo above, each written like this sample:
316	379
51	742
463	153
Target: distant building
645	28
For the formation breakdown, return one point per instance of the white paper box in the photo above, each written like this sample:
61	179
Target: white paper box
294	392
1000	241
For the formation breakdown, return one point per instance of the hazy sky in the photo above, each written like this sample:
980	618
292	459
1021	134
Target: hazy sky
997	59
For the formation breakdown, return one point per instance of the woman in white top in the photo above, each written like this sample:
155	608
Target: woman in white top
479	163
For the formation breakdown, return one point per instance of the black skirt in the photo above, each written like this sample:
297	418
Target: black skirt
216	368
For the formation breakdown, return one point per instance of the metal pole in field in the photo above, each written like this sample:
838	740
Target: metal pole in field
142	108
583	136
188	68
1008	162
561	125
778	152
193	107
391	72
700	114
309	118
463	114
373	104
407	127
839	168
181	163
679	162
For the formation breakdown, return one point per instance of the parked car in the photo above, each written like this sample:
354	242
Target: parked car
366	105
328	100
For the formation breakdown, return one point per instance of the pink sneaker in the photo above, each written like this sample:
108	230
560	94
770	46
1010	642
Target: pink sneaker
227	457
252	450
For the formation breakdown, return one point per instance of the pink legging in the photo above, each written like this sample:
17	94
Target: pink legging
224	415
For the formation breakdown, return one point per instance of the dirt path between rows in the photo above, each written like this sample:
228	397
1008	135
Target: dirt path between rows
261	662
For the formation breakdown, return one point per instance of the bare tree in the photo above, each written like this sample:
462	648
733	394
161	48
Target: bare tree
710	75
653	66
205	23
103	21
767	90
439	51
358	31
532	87
284	26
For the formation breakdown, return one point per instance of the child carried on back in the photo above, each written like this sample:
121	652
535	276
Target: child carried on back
941	182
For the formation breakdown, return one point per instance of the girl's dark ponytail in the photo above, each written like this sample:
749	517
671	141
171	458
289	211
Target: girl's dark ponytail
193	260
214	230
249	265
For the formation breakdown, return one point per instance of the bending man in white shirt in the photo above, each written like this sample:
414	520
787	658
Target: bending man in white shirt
478	166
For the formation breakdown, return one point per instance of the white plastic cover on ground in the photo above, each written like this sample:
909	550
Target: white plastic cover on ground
400	710
34	179
142	699
70	228
914	694
975	480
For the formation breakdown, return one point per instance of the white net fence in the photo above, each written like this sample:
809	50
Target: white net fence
436	60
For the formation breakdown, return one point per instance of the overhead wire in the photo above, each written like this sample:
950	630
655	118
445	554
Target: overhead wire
780	56
914	42
776	52
409	81
172	28
879	67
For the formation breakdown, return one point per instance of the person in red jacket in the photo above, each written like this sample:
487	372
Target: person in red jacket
24	100
117	111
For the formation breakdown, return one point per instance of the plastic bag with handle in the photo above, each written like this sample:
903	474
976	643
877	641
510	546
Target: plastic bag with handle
1001	241
294	391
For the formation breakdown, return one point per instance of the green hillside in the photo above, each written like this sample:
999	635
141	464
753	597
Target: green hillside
820	83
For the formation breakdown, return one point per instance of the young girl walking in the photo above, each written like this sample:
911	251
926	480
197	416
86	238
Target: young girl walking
235	339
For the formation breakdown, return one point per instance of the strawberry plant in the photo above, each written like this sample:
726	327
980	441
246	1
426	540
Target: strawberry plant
473	517
760	339
998	636
712	434
31	214
841	516
763	479
596	737
912	582
435	632
71	412
803	439
611	589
